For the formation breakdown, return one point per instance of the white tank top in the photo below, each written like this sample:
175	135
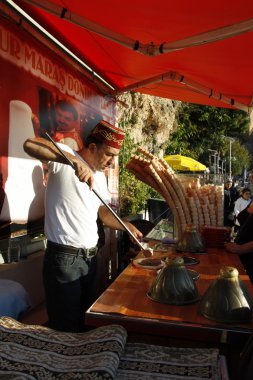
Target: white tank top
71	208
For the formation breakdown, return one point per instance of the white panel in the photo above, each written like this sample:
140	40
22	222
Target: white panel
24	187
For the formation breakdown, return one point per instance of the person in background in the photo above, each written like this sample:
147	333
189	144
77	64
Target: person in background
240	204
243	244
66	117
71	211
230	196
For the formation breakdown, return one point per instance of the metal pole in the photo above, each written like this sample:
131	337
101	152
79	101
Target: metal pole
230	158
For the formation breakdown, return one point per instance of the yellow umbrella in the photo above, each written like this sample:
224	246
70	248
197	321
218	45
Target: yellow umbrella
183	163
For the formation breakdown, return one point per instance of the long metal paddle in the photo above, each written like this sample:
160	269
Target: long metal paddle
95	192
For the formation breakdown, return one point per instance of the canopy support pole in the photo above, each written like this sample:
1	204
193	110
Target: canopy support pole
190	84
149	49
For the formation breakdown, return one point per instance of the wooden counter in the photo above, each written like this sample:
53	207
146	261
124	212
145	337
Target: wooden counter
125	302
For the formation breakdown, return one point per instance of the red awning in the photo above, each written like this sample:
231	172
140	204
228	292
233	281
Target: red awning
194	51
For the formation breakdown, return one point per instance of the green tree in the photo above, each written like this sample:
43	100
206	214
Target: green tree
201	128
240	159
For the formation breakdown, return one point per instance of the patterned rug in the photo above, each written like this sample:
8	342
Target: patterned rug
36	352
29	352
150	362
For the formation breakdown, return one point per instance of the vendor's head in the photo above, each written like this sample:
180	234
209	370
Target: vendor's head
104	144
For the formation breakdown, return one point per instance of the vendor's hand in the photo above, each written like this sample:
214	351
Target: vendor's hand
134	231
146	252
83	172
232	247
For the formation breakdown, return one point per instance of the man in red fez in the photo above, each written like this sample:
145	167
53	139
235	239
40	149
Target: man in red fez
110	135
71	211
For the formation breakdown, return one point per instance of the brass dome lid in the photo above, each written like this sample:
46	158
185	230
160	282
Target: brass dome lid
227	299
174	285
191	241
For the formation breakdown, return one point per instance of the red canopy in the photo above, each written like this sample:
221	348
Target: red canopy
194	51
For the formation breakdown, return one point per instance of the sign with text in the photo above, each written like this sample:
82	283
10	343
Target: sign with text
35	81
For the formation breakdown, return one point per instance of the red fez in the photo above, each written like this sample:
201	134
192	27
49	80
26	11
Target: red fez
109	134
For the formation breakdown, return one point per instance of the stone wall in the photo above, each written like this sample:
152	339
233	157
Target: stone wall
149	120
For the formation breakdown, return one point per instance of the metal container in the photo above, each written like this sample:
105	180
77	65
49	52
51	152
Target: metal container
191	241
174	285
227	299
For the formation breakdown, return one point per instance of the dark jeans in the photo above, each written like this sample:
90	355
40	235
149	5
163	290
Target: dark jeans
69	283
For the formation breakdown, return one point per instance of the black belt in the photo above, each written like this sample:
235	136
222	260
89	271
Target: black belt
86	253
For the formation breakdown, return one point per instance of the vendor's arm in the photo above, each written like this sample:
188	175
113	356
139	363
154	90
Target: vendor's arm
243	215
240	249
45	151
110	221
